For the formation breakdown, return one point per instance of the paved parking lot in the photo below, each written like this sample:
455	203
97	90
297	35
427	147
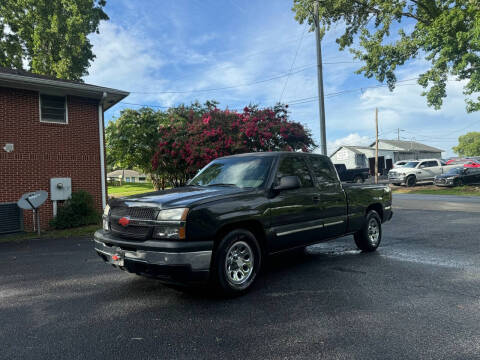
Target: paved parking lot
418	297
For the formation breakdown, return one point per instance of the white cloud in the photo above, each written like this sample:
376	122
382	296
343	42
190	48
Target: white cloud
353	139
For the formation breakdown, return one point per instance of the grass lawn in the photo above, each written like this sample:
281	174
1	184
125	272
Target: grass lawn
130	189
435	190
52	234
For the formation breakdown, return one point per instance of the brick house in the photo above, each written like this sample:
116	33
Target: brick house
49	128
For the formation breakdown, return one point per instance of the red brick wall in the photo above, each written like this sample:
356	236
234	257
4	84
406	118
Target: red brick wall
44	150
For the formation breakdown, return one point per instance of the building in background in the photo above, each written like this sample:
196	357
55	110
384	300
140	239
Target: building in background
126	176
389	152
49	128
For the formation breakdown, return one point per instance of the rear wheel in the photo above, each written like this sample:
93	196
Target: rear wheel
237	262
411	181
368	238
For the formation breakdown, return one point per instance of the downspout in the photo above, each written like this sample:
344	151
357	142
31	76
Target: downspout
102	150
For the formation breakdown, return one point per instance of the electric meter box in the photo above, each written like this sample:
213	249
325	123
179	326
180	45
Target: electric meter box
60	188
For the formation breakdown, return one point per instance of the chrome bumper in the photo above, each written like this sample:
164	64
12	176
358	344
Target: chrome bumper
197	260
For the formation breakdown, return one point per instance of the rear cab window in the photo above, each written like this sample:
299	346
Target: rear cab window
323	171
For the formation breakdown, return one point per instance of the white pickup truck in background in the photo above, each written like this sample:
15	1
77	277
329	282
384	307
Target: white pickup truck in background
417	171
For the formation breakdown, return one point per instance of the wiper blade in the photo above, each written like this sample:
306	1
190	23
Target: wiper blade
222	184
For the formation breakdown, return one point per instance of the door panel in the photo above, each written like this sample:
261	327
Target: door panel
294	214
332	206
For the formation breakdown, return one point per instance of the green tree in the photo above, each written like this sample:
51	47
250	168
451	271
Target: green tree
468	144
445	32
132	139
50	36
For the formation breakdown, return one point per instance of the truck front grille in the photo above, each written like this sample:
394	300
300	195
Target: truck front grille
134	212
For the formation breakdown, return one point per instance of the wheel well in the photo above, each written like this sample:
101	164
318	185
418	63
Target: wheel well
254	226
378	208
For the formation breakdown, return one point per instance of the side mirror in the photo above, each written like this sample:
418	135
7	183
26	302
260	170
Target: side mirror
288	183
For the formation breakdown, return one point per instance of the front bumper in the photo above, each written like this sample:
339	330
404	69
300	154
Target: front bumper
168	260
396	178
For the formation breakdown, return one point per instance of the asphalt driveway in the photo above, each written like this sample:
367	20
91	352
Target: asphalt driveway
418	297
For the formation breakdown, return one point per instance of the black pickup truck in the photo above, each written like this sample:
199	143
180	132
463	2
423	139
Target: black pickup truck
352	175
234	212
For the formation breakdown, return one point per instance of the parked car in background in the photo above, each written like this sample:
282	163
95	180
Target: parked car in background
352	175
472	164
459	176
236	211
418	170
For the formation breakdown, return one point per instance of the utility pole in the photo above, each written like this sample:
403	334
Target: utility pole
376	146
398	133
321	103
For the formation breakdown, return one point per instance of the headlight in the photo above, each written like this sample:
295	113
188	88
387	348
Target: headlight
171	231
179	214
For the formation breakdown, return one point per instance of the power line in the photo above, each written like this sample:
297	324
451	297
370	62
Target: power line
293	62
301	100
281	75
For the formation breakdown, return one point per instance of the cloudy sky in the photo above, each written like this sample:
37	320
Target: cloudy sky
167	52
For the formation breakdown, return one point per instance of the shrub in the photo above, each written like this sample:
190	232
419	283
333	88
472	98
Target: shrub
79	210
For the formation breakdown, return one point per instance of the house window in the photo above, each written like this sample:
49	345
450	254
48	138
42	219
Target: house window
53	109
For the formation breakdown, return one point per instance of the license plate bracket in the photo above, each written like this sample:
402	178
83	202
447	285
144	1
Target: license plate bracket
117	259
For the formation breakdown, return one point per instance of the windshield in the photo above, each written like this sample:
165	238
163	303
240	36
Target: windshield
243	172
454	171
411	164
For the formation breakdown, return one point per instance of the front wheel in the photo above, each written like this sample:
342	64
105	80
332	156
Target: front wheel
411	181
458	182
368	238
237	262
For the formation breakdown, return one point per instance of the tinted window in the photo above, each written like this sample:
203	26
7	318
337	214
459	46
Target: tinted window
323	170
454	171
293	165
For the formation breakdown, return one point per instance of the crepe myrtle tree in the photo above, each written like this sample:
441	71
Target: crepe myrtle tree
446	33
186	148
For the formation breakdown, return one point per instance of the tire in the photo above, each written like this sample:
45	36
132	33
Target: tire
368	238
458	182
411	181
238	249
358	179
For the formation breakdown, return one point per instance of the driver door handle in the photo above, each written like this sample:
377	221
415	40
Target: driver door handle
316	198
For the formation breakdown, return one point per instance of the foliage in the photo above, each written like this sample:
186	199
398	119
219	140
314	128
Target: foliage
79	210
446	32
186	147
51	35
468	144
132	139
